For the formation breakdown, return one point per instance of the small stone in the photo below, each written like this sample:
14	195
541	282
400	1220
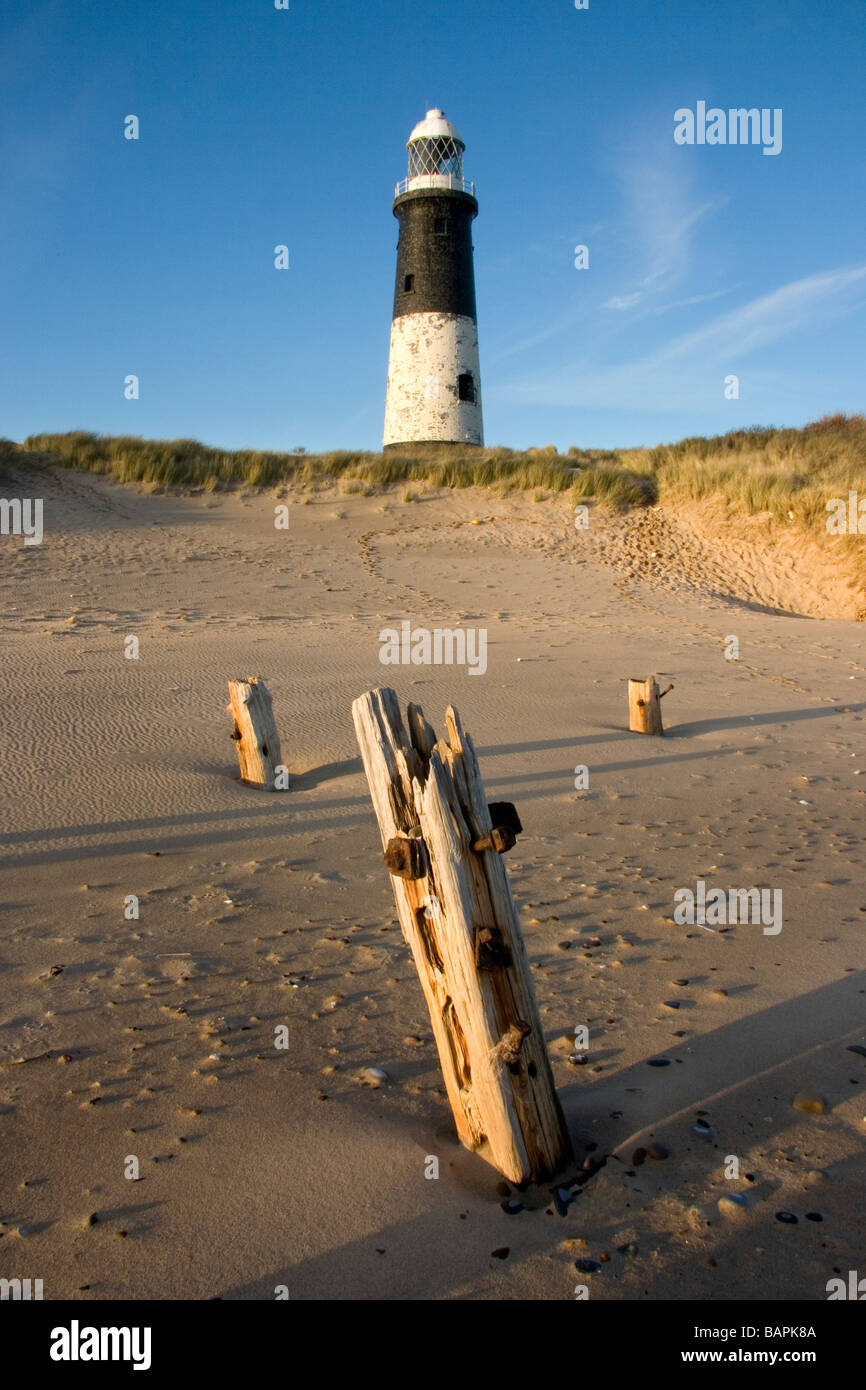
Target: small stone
588	1266
92	1219
658	1152
814	1216
638	1157
578	1059
855	1047
733	1203
701	1130
681	983
630	1249
502	1253
659	1062
816	1177
787	1217
565	945
65	1057
562	1200
512	1207
672	1003
810	1102
720	993
374	1076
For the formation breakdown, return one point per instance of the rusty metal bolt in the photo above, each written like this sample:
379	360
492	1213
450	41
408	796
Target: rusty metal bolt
501	839
405	858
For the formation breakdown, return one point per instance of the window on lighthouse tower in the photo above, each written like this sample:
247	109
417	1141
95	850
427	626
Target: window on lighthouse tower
465	387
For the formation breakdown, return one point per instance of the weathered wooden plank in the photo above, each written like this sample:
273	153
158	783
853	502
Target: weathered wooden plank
255	732
462	927
644	709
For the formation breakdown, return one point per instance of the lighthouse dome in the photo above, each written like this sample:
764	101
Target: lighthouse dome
435	154
435	127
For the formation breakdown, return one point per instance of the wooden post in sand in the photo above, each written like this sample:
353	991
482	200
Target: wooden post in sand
644	710
255	731
460	921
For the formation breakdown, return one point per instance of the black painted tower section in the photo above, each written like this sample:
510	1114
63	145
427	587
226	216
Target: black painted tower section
434	253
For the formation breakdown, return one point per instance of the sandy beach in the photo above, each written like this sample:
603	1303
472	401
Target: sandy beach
153	1038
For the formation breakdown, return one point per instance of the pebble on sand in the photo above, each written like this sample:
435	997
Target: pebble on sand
702	1130
810	1102
733	1203
374	1076
816	1177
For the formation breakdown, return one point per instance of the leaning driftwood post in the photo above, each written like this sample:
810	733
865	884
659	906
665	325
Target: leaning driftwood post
255	731
644	710
459	919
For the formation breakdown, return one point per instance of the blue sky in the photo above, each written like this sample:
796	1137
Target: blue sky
262	127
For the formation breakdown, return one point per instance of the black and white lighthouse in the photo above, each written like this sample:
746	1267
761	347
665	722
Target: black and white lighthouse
434	385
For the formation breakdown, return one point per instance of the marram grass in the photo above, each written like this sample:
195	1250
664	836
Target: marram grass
789	473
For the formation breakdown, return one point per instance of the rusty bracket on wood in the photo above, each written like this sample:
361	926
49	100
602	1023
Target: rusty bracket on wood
666	689
509	1045
491	952
405	857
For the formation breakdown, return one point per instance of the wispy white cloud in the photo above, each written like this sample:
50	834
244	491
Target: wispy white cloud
661	217
573	317
691	367
769	317
627	301
692	299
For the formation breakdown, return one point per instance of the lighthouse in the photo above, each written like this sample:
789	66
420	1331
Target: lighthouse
434	383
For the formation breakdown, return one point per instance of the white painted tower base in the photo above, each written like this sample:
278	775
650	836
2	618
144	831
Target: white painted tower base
428	354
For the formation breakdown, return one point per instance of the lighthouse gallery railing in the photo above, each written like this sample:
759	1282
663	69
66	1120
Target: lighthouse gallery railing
434	181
